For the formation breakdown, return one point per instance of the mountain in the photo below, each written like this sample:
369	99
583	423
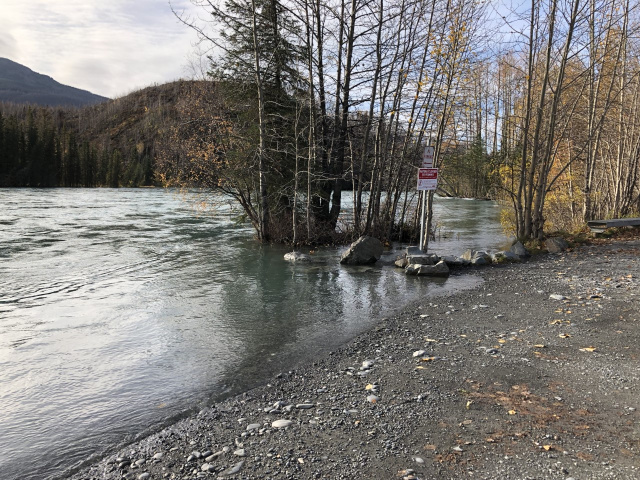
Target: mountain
19	84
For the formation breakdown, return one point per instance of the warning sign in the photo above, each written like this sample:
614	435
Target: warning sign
427	178
427	157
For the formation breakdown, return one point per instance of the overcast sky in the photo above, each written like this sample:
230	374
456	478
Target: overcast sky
109	47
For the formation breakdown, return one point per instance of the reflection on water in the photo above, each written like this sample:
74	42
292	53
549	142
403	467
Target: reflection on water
120	309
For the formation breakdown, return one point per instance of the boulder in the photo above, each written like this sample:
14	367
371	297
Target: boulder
453	261
481	260
422	259
470	255
296	257
476	257
556	244
401	262
505	257
440	269
364	251
519	250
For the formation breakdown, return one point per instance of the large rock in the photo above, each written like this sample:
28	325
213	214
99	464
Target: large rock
519	250
422	259
453	261
401	262
505	257
440	269
556	244
296	257
364	251
476	257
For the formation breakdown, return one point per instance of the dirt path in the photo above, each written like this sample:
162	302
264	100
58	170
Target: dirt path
532	375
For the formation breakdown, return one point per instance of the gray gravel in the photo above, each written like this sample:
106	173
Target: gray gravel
532	375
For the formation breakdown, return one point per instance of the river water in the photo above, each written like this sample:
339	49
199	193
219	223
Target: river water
121	310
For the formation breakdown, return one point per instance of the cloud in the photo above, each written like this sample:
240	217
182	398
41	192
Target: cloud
107	47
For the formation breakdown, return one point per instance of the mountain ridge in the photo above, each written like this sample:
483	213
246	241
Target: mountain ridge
20	84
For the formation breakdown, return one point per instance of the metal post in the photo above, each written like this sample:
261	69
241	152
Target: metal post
423	219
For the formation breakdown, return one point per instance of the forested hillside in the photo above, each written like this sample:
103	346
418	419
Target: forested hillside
109	144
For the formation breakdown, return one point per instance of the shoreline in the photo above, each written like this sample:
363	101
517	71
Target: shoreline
499	381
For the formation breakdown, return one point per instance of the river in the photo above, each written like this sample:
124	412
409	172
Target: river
121	310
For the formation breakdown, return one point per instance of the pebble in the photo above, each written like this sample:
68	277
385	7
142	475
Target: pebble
240	452
367	364
419	353
158	456
305	406
233	470
419	460
144	476
373	399
282	423
555	296
253	426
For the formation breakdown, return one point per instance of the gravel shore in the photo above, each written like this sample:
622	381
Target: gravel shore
534	374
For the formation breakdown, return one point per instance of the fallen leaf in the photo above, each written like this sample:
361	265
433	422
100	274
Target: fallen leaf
502	340
512	412
588	349
490	440
555	322
467	422
429	447
369	387
539	345
419	368
428	359
469	404
564	335
431	340
547	447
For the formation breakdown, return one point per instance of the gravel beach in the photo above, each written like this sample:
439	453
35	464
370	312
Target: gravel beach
533	374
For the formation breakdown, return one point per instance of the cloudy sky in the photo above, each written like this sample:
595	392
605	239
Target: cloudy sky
109	47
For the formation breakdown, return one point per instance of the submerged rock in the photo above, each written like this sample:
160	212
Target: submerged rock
296	257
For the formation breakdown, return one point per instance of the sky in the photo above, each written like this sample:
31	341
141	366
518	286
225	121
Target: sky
109	47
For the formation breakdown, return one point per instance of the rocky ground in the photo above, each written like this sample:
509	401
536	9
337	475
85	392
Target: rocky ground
532	375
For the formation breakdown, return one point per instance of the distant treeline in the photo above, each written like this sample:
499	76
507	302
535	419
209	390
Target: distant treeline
41	147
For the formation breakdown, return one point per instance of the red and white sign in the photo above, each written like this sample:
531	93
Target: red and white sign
427	178
427	157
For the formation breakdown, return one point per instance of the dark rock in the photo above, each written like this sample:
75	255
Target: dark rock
364	251
519	250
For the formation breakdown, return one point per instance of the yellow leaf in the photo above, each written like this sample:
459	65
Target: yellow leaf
369	387
556	322
588	349
431	340
547	447
419	368
469	404
428	359
512	412
539	345
564	335
502	340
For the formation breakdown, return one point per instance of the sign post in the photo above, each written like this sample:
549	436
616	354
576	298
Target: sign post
427	181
